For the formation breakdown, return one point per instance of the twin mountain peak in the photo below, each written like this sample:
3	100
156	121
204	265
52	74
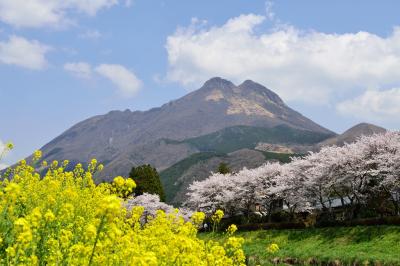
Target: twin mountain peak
219	114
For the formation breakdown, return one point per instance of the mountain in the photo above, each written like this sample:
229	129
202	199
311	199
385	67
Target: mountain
122	139
352	134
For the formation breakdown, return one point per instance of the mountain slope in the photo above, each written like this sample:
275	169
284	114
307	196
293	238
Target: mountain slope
279	143
124	139
239	137
352	134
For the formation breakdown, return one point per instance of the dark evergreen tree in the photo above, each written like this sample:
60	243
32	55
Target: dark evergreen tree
223	168
147	181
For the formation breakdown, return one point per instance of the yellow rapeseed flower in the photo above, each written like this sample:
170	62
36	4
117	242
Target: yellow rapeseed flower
49	216
64	218
231	229
54	164
90	231
37	155
13	188
198	217
273	248
217	216
9	145
119	181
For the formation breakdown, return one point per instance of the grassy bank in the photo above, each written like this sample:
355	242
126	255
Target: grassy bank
379	245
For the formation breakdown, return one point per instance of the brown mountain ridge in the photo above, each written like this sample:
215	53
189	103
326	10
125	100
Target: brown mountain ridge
122	139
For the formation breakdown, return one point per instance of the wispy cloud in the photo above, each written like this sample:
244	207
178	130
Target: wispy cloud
79	69
91	34
125	80
373	105
45	13
270	14
25	53
129	3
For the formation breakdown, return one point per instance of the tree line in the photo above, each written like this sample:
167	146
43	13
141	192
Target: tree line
360	178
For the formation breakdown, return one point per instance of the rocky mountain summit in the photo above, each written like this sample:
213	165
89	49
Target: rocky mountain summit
122	139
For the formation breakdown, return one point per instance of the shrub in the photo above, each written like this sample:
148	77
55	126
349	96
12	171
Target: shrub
147	180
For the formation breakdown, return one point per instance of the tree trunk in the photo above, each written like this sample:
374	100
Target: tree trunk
270	212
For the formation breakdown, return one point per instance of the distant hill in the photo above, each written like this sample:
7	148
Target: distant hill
352	134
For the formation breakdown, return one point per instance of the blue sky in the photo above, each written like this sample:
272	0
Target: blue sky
337	62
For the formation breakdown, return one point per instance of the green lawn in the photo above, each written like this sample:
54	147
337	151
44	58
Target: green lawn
378	245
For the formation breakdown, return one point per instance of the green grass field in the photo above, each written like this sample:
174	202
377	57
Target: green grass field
361	245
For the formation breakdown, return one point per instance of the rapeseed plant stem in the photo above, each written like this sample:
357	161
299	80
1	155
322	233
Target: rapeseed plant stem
99	228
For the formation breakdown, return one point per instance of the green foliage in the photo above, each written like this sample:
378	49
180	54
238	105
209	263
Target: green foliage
240	137
223	168
147	180
348	245
170	175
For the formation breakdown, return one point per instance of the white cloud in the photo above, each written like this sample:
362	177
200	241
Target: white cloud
125	80
128	3
373	105
91	34
79	69
47	13
24	53
269	10
306	66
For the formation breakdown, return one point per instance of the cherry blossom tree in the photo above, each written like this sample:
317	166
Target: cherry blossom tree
234	193
215	192
151	204
291	189
358	174
380	167
252	186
